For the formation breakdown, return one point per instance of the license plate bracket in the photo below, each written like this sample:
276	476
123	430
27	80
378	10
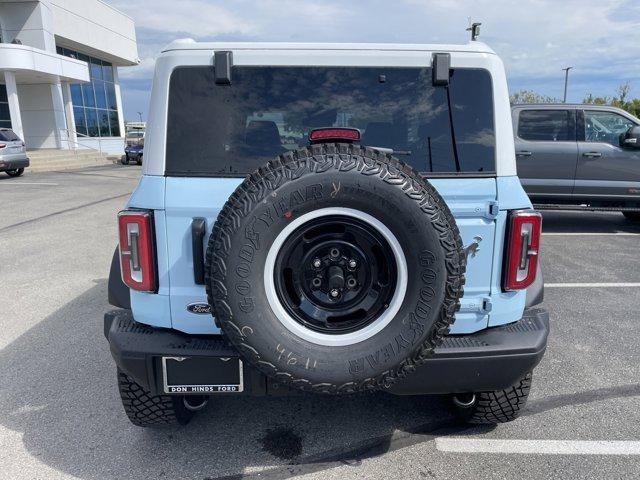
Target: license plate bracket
202	375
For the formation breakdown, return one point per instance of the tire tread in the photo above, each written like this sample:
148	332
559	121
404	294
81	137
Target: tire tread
317	159
147	410
501	406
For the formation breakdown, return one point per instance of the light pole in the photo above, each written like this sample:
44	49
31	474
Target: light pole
140	113
566	81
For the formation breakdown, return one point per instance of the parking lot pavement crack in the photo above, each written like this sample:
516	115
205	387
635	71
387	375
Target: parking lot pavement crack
60	212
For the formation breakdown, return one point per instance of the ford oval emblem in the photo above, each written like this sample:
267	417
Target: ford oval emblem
199	308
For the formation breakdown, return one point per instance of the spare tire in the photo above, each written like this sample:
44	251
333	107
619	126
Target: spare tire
335	269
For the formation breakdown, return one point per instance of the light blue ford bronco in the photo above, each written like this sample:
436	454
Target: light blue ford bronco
332	218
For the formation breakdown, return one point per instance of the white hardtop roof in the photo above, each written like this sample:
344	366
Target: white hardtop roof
190	44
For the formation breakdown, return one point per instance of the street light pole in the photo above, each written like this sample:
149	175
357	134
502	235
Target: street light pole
566	81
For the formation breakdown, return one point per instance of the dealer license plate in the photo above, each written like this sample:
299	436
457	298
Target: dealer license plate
202	375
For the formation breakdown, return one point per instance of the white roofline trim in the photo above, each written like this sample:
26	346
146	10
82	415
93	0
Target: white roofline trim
190	44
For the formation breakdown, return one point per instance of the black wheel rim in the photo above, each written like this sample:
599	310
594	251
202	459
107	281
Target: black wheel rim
335	274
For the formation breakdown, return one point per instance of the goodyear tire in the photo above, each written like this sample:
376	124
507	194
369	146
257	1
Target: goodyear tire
147	410
491	408
335	269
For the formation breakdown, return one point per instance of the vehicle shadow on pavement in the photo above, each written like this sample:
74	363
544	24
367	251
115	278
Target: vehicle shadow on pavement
59	391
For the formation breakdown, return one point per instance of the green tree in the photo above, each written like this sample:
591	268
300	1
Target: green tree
620	100
591	100
529	96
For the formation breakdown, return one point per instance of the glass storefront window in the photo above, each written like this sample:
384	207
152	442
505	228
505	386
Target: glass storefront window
94	104
112	103
103	121
81	122
76	94
107	72
92	122
101	97
113	122
5	117
95	67
87	95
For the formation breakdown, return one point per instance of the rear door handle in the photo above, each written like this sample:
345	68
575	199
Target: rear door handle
198	228
592	154
523	153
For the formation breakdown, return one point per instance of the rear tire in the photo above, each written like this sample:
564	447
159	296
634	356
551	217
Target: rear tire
125	160
139	160
15	172
147	410
490	408
633	216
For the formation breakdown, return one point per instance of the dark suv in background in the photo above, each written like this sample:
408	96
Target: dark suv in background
579	155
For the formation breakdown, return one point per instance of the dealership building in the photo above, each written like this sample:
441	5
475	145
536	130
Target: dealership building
59	60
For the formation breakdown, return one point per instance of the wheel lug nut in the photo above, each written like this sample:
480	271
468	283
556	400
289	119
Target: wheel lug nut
353	263
334	292
317	263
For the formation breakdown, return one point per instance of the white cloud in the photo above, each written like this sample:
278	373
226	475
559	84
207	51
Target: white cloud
535	38
194	17
143	70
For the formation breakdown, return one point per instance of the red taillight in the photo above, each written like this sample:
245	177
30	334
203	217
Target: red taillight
330	134
523	242
137	256
2	145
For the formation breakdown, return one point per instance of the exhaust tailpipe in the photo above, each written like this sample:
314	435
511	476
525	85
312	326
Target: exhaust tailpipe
195	402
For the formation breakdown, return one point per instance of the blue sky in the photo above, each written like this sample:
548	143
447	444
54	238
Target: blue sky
535	38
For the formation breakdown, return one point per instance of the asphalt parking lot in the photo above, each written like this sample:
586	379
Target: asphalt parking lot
61	417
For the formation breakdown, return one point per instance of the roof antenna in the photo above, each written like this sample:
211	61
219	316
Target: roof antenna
474	28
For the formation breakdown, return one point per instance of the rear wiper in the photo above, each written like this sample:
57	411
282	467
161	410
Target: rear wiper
453	133
391	151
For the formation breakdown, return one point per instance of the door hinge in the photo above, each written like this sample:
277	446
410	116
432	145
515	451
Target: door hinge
493	209
488	210
486	305
480	305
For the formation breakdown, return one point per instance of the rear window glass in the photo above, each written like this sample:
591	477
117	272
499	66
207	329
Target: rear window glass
547	125
233	129
8	136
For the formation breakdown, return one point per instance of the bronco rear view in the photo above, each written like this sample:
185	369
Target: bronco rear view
332	218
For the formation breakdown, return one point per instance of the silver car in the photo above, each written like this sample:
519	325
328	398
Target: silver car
13	154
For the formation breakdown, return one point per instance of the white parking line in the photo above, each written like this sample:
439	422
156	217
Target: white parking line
544	447
592	285
590	234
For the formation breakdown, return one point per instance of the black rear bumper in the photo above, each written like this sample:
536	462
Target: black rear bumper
492	359
14	164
